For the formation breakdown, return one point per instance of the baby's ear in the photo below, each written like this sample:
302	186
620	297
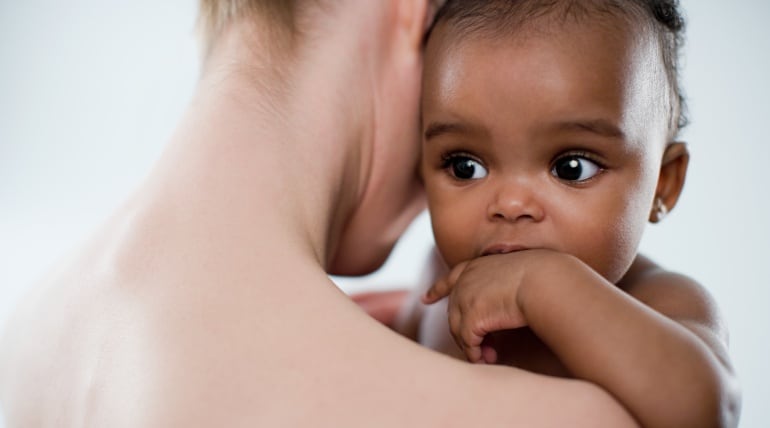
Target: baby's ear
673	170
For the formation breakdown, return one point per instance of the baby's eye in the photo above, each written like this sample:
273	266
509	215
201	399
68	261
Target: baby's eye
575	168
465	168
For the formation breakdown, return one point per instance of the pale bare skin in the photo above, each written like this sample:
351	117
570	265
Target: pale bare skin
205	300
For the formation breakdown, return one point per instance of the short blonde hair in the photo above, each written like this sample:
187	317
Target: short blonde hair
215	15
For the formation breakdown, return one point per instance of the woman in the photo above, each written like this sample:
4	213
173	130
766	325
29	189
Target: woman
205	301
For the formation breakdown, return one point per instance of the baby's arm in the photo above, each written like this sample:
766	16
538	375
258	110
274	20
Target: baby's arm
661	353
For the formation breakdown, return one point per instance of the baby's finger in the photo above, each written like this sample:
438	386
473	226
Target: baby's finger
455	327
464	337
437	291
471	344
488	354
443	286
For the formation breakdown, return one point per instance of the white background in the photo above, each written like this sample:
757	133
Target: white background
91	89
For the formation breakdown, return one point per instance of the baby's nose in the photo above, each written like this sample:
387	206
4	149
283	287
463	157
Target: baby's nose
516	201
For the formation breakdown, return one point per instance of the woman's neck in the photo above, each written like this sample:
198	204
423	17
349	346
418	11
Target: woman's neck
242	146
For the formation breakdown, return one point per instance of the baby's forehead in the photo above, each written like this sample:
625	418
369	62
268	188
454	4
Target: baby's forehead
634	46
600	66
493	21
603	27
506	16
468	20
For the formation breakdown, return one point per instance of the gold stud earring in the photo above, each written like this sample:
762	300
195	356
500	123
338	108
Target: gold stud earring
659	210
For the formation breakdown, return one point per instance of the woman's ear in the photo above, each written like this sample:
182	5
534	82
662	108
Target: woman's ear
416	17
673	170
430	16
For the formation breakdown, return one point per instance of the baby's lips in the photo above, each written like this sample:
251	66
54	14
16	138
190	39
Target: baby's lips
502	248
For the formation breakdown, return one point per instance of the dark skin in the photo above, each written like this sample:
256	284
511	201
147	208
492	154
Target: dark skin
545	154
657	347
646	282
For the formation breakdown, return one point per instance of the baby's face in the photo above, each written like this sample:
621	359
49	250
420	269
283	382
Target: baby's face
549	139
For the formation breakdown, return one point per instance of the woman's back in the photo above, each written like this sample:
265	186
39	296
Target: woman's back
215	345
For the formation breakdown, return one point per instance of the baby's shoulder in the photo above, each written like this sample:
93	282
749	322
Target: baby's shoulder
673	294
646	277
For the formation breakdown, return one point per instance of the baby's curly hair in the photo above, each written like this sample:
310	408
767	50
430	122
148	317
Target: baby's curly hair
505	17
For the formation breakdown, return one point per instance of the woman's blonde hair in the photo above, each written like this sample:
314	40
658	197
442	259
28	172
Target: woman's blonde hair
279	15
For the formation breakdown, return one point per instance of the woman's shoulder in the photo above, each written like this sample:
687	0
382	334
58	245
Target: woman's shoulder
318	360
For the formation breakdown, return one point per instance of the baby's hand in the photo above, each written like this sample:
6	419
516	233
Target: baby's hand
484	296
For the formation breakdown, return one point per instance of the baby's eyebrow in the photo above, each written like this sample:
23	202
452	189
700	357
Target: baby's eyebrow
435	129
597	126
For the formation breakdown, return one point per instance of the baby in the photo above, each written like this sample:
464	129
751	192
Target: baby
550	140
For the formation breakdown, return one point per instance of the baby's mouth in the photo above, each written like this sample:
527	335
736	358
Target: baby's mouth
502	249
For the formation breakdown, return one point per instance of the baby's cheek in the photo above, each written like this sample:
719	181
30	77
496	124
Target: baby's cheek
621	246
450	248
451	241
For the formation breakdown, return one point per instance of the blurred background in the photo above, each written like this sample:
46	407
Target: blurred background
90	90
